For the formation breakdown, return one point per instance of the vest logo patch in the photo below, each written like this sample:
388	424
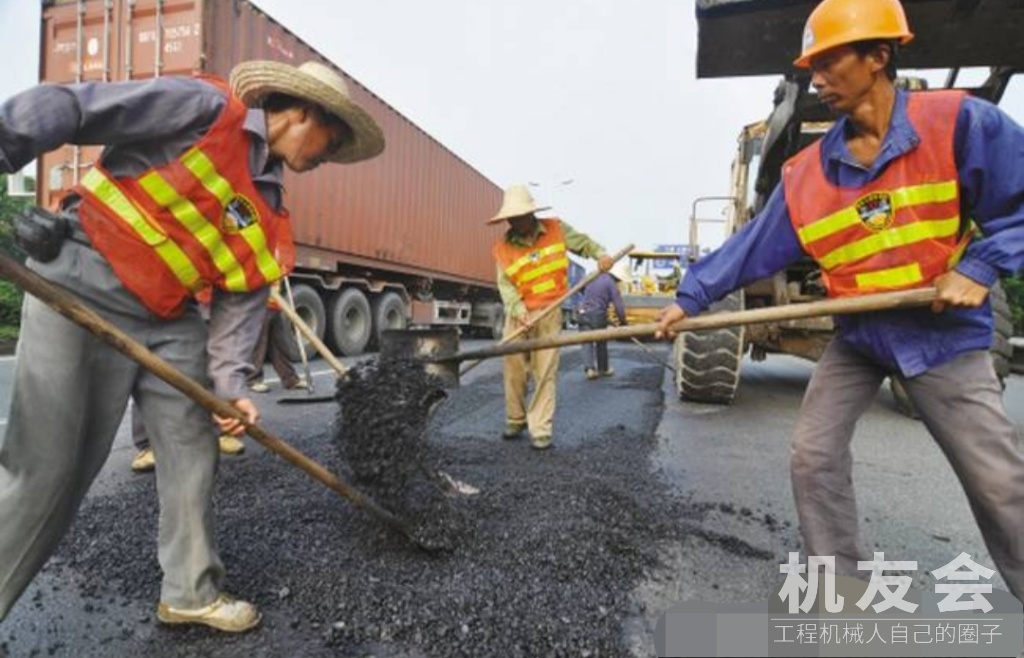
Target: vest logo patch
875	211
240	213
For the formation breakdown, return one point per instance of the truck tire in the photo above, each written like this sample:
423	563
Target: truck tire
498	323
707	362
1002	351
389	312
310	307
350	323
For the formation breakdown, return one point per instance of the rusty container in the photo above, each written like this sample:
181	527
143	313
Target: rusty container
417	209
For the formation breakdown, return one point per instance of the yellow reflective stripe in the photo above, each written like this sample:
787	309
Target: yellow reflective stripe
533	256
903	197
203	168
890	239
107	193
196	223
547	268
257	240
895	277
543	286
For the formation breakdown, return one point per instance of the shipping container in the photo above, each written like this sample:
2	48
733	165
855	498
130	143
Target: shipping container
397	239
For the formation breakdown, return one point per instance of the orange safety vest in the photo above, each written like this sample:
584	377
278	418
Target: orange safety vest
899	231
540	272
192	223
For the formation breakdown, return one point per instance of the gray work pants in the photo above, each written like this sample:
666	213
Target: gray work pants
960	403
70	392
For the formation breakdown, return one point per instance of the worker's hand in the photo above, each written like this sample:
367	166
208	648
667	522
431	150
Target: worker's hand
233	426
666	317
604	263
955	289
521	320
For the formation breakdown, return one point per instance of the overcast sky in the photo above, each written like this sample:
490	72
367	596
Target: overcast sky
601	92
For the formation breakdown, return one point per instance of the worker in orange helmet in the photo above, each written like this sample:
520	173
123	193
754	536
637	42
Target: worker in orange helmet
905	190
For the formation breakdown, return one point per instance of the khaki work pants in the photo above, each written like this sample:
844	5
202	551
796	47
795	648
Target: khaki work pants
961	404
543	365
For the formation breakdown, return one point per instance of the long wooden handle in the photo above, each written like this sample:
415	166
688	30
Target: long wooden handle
306	331
877	302
554	305
71	308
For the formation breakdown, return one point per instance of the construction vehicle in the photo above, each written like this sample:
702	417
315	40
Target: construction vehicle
651	285
375	241
759	37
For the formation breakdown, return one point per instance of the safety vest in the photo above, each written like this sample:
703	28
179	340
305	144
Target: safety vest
540	272
193	223
899	231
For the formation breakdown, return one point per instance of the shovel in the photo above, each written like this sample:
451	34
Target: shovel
71	308
844	306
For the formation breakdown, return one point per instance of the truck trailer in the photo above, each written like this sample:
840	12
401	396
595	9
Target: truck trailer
394	241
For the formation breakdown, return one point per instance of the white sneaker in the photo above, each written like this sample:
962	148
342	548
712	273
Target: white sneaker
230	445
145	461
224	614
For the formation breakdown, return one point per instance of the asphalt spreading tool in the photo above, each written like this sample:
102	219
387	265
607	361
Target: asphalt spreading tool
73	309
447	360
298	337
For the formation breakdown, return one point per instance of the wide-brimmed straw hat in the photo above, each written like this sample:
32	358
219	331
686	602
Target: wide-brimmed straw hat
518	201
319	84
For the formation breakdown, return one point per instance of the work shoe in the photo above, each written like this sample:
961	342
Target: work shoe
591	373
230	445
258	387
512	430
608	373
145	461
540	442
224	614
299	383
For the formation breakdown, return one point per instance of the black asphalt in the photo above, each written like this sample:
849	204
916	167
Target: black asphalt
544	564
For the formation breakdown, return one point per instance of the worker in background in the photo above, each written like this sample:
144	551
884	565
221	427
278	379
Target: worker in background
187	194
598	295
533	273
273	344
885	201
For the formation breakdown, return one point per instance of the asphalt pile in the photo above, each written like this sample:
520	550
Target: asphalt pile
381	438
544	562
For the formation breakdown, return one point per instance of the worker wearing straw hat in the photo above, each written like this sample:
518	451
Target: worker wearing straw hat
533	273
186	197
905	190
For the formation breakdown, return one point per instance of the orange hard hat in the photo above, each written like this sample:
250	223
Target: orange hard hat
838	22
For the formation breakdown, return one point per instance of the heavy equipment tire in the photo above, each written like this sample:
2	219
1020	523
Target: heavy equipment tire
1002	319
389	312
349	322
707	362
1002	351
310	307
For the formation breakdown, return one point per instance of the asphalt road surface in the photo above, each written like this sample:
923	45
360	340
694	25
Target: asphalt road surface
643	502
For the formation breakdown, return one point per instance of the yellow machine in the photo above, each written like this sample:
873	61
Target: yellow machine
650	284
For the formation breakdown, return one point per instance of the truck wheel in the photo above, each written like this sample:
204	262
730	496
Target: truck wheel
310	307
389	312
707	362
350	323
498	323
1002	351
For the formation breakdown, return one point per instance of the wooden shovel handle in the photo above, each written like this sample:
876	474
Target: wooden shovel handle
847	305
